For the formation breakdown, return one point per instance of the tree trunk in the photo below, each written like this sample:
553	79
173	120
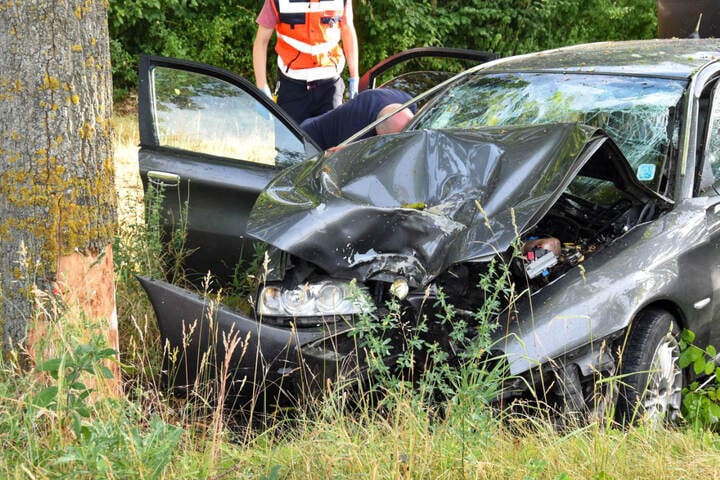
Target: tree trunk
57	197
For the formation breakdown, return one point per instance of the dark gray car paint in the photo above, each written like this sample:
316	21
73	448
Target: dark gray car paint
334	210
669	261
215	236
202	183
660	261
198	331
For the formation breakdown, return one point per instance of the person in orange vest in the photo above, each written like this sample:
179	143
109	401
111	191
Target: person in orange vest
310	58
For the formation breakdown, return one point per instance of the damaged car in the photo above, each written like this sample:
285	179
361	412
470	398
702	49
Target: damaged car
593	170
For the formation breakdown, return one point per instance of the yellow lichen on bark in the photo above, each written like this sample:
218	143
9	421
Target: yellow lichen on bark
87	131
9	88
57	198
51	83
62	219
80	12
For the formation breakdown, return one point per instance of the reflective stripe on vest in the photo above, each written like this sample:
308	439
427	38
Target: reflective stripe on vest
294	6
311	74
308	38
311	49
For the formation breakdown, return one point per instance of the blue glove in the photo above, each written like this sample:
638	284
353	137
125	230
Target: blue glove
263	112
353	87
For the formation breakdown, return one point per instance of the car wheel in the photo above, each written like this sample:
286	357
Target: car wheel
651	381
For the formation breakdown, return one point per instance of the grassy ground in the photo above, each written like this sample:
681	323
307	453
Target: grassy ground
48	429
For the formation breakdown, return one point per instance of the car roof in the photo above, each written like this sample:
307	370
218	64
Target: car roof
673	58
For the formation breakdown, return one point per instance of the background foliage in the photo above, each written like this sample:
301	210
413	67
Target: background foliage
221	32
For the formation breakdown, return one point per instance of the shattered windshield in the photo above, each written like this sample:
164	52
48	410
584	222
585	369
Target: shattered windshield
639	114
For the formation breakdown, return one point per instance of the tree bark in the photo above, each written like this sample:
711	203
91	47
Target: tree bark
57	198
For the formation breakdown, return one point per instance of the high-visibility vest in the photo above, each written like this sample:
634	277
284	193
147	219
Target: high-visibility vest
308	37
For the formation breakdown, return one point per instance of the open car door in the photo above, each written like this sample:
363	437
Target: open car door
419	69
210	141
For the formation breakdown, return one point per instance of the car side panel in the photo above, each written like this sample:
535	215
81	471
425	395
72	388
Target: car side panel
674	260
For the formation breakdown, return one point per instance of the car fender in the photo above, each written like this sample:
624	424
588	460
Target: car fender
590	304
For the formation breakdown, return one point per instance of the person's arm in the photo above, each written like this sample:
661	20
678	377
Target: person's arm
350	41
260	47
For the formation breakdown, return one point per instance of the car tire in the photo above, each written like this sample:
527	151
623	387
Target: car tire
651	380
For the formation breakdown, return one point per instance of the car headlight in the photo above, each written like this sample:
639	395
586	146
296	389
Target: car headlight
313	299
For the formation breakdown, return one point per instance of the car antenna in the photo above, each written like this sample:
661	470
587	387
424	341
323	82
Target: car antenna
696	33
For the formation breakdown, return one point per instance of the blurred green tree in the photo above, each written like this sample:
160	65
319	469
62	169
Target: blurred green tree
221	32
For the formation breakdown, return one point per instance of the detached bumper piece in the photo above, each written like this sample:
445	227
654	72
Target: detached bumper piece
209	348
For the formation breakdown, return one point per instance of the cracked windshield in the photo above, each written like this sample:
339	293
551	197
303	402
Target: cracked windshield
638	113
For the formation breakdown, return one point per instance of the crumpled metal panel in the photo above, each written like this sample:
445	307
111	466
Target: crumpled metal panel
414	203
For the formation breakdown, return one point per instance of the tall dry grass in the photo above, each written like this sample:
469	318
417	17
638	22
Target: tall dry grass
127	178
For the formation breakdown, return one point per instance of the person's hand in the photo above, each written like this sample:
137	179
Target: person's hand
353	87
548	243
266	91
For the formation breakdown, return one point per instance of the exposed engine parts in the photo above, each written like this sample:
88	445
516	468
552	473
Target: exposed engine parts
540	265
582	228
538	261
573	230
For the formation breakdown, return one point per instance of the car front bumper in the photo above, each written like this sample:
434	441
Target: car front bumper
205	342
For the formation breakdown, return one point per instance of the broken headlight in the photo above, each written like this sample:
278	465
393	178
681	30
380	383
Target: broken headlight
313	299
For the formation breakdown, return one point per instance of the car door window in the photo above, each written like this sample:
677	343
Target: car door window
204	114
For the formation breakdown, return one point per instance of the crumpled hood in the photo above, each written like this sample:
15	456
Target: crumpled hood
414	203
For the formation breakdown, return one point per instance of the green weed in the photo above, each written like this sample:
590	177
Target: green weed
68	397
701	399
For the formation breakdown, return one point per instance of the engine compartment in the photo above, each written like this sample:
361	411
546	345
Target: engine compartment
580	227
583	229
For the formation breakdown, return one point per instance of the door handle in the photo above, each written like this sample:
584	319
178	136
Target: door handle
163	179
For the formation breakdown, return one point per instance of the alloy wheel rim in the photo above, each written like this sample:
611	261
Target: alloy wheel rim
663	396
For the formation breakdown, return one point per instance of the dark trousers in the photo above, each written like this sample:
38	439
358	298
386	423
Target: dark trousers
303	100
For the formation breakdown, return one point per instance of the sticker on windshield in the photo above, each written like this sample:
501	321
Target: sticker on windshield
646	172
